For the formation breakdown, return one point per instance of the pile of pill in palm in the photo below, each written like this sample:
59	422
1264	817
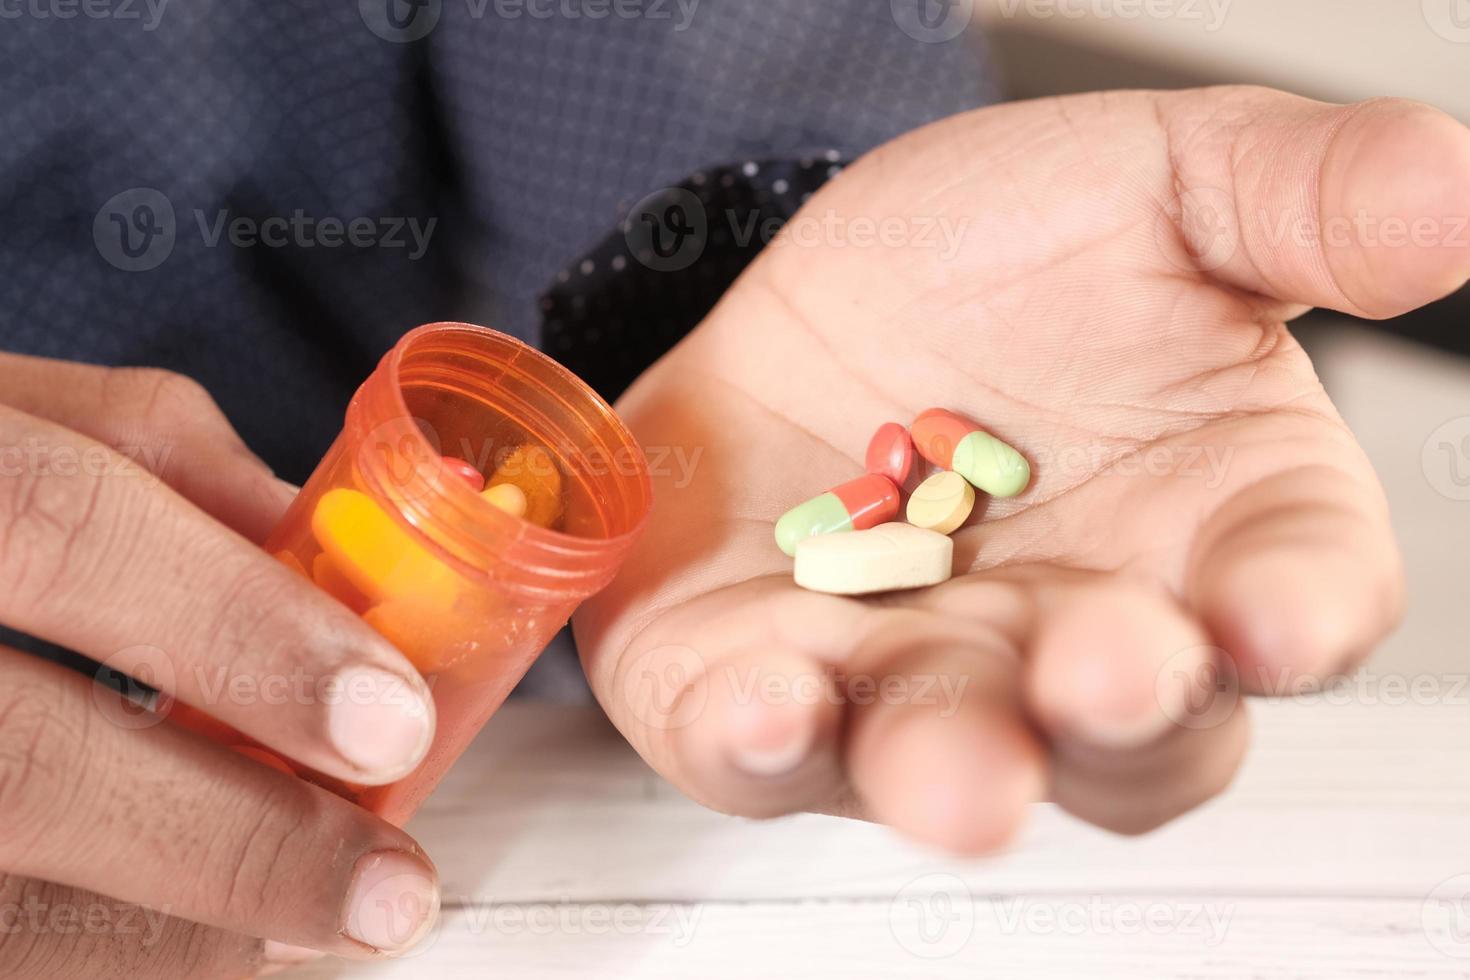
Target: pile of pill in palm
849	540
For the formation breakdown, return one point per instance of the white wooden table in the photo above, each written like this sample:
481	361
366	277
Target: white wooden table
563	856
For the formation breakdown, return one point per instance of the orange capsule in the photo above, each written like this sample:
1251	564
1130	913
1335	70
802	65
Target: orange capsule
465	471
953	442
891	453
367	556
196	721
329	578
856	506
422	632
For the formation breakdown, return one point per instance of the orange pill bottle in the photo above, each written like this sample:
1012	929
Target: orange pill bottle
471	594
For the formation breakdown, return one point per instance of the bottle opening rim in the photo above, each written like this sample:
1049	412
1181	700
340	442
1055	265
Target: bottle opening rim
445	508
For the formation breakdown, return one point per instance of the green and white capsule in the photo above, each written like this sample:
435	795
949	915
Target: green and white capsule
955	443
857	506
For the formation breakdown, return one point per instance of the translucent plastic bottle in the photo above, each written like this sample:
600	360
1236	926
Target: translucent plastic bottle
475	593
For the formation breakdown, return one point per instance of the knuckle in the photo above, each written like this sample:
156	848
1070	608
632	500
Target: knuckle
161	399
161	412
38	735
57	931
45	517
267	860
260	620
20	941
16	943
197	952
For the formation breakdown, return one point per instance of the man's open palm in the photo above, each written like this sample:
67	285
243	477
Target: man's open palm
1199	516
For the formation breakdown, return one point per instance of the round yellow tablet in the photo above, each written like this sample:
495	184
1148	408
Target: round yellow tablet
941	503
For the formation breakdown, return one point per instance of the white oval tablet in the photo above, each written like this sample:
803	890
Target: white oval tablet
886	558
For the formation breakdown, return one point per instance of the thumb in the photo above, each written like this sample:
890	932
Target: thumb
166	424
1363	209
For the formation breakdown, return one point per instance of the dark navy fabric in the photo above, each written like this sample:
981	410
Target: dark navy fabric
669	263
170	171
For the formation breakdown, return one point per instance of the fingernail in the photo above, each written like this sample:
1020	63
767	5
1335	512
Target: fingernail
280	956
392	902
768	761
771	762
380	723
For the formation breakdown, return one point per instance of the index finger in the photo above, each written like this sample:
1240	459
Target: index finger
129	573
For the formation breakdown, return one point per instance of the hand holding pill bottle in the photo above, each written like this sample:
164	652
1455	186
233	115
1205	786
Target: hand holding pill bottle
470	583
